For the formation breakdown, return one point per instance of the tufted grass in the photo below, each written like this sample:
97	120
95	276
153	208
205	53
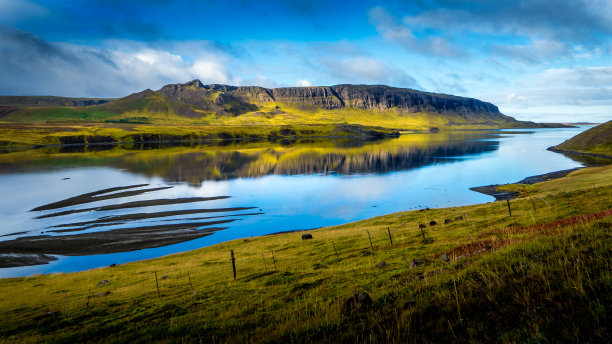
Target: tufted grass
538	276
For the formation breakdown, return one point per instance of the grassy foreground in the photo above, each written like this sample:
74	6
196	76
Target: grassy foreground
541	275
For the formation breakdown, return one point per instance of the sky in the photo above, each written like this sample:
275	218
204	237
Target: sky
539	60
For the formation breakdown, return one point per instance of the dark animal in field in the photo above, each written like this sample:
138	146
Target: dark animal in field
306	236
447	221
432	223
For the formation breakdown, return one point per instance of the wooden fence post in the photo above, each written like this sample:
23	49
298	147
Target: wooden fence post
509	211
233	263
533	204
369	237
390	239
88	295
264	259
157	284
595	189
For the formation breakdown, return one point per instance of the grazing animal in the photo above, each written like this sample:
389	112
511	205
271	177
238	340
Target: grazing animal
447	221
306	236
432	223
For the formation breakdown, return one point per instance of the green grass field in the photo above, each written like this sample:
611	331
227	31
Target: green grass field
541	275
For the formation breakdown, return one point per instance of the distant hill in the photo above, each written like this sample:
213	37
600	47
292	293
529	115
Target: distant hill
596	141
193	102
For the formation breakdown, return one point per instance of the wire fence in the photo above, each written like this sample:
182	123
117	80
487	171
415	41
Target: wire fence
298	252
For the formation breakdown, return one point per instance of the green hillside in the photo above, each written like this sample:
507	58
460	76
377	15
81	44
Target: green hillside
597	140
193	103
541	275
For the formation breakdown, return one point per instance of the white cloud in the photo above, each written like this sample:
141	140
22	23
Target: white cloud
32	66
401	33
366	70
303	83
560	94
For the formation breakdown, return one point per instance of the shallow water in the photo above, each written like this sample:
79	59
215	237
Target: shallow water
294	185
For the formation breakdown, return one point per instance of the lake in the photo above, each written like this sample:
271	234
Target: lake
147	201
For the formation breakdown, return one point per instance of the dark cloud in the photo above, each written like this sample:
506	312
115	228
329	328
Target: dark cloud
548	28
575	20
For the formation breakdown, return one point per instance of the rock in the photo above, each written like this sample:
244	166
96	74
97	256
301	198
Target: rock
432	223
458	218
358	303
102	294
381	264
418	262
103	282
445	258
306	236
447	221
409	304
165	277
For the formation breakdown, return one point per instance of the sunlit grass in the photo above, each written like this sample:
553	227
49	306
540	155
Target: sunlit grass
545	283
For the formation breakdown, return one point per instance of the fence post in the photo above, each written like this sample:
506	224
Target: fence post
595	189
88	295
533	204
157	284
274	260
509	211
390	240
264	259
369	237
233	263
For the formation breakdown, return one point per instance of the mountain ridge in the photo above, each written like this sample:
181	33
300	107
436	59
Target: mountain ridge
215	104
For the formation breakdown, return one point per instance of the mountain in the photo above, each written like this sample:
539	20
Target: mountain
595	141
196	103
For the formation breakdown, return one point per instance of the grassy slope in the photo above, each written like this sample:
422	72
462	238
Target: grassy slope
595	140
50	134
509	280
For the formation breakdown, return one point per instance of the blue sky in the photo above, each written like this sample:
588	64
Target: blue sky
541	60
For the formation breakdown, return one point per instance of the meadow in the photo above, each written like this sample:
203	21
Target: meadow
479	274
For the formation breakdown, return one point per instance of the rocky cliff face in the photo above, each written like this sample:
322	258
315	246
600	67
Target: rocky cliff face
193	99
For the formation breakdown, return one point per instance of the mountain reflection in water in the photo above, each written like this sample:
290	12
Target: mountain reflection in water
194	164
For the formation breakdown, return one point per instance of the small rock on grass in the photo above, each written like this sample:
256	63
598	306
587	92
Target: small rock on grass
381	264
445	258
418	262
103	282
358	303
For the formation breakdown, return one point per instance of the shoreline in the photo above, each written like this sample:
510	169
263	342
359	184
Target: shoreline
502	195
35	253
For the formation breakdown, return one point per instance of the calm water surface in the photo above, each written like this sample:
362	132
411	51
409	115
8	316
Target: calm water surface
293	185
